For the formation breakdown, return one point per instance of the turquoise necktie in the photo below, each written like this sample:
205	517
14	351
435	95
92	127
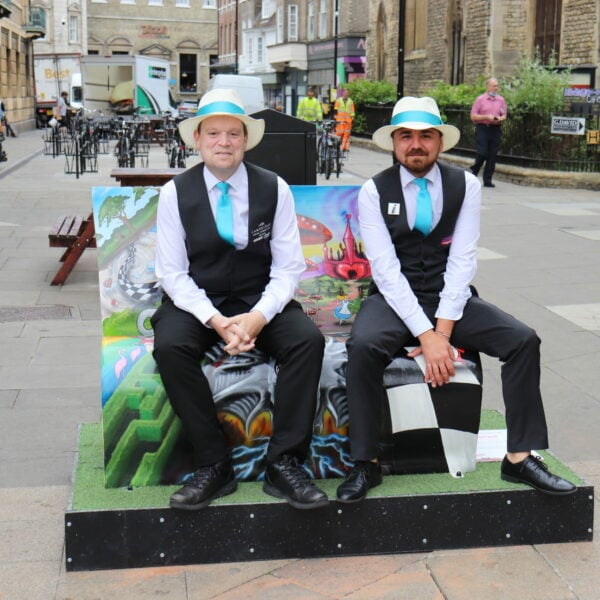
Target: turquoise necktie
224	216
423	213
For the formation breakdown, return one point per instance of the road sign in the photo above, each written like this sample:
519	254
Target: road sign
568	125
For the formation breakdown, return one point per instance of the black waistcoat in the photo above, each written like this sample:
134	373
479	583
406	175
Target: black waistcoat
422	258
216	266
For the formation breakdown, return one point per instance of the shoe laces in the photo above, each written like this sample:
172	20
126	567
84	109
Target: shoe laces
538	462
200	477
294	472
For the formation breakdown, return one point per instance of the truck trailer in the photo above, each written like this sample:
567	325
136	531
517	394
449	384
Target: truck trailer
126	85
54	74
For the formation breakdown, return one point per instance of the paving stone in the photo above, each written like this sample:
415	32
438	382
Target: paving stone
340	576
31	541
8	398
269	587
44	503
45	376
131	584
411	582
210	580
29	580
74	350
497	574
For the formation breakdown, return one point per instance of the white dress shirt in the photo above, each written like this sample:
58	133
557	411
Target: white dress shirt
172	263
385	265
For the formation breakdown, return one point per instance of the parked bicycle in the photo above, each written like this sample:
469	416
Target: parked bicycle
329	152
176	149
132	142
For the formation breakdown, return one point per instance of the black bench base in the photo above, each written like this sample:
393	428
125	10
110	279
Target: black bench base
114	539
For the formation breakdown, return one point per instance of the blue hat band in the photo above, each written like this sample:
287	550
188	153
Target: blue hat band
418	116
220	107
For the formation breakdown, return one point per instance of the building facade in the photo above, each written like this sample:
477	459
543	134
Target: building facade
184	32
294	44
19	26
461	40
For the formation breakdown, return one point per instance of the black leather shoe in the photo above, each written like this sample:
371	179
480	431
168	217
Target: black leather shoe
364	476
287	479
532	471
204	485
488	184
473	171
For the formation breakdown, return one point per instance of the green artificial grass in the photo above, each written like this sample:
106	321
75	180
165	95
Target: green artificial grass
89	493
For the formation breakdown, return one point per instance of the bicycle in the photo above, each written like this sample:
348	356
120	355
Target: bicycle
175	150
329	153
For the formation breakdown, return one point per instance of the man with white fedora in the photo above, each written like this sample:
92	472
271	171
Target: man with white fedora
228	258
419	222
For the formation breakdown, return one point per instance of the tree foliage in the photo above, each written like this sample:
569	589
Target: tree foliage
533	87
366	91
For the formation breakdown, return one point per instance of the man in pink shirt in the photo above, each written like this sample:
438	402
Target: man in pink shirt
488	113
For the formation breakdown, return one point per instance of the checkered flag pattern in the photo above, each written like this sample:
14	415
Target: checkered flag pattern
139	292
446	417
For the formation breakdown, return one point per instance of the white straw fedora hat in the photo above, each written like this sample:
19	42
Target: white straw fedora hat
222	102
416	113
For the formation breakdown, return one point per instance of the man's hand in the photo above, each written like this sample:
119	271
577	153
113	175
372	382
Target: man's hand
239	332
235	338
439	357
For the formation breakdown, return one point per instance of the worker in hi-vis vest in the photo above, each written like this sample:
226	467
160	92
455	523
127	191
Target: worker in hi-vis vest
344	116
309	108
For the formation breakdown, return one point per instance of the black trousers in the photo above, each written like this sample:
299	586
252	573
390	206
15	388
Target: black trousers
180	341
487	143
378	335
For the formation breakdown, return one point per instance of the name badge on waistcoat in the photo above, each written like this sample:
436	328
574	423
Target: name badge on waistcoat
393	208
260	232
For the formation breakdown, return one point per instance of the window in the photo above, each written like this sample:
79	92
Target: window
155	2
415	35
293	23
182	3
268	8
310	24
323	19
209	4
280	24
127	1
547	28
73	29
259	50
250	50
188	81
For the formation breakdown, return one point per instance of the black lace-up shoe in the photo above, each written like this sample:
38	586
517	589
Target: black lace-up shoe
287	479
204	485
364	476
532	471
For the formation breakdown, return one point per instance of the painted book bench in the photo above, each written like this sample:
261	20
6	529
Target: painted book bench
425	430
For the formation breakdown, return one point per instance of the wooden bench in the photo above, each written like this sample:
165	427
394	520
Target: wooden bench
75	233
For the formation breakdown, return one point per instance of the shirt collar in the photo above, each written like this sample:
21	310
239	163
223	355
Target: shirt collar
235	181
406	178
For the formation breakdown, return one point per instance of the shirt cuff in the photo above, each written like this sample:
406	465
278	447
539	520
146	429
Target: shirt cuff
266	309
418	323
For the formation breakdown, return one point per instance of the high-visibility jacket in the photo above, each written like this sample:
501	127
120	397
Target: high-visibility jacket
344	109
309	109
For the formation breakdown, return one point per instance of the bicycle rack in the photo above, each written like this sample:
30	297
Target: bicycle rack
78	160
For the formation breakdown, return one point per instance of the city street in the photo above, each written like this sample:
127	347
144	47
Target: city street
539	259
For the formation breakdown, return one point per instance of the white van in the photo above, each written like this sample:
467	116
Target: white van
249	88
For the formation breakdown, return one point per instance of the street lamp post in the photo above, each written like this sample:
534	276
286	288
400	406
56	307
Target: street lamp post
335	45
401	31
